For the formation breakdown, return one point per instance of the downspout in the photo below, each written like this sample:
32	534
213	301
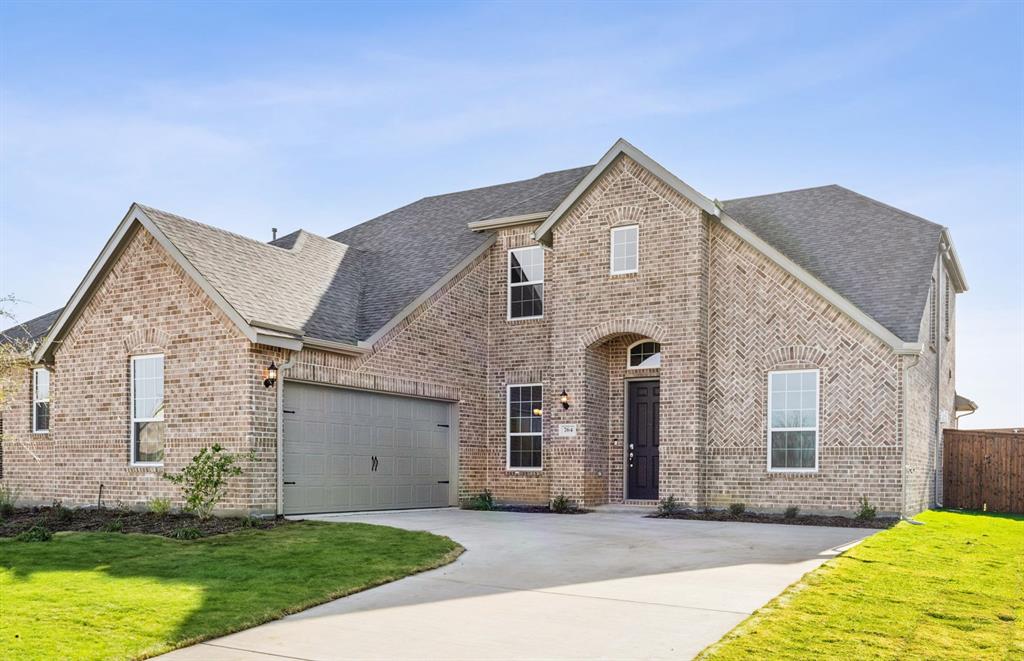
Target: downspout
903	445
280	431
940	347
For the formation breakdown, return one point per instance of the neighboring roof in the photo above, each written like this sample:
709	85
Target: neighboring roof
32	330
878	257
961	403
409	249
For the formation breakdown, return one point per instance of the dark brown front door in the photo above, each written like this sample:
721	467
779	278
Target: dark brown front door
642	440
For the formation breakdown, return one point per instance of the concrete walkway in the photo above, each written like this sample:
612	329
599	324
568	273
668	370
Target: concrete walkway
531	586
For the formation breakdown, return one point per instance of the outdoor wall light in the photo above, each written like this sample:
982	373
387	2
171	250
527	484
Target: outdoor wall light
564	398
270	375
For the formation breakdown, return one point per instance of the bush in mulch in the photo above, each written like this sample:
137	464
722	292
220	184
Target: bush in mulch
538	509
178	526
790	518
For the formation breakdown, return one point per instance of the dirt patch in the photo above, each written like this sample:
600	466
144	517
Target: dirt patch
114	520
800	520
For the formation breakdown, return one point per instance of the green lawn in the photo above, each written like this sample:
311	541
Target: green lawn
101	595
950	589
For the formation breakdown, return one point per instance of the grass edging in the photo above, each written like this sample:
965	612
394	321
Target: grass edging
446	559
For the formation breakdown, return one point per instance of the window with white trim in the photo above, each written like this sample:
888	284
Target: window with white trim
526	283
644	354
625	249
793	420
40	400
933	315
525	426
947	307
148	426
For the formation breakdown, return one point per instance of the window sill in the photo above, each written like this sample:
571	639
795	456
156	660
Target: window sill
532	471
145	468
623	274
794	472
517	320
45	432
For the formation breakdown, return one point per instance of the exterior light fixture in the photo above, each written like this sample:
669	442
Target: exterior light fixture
270	375
564	398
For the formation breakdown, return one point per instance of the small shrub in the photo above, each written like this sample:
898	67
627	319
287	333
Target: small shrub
867	511
60	513
8	499
117	525
36	533
561	504
160	506
187	532
737	509
250	522
481	501
204	481
792	512
668	505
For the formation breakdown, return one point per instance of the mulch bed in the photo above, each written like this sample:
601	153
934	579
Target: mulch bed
800	520
529	509
116	520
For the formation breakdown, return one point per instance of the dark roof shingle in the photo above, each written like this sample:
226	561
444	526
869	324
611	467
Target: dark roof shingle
874	255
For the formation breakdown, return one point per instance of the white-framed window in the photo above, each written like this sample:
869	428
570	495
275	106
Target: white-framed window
947	307
40	400
147	402
933	315
525	427
793	420
643	354
625	249
526	283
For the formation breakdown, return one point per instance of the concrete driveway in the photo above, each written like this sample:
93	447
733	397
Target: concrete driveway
529	586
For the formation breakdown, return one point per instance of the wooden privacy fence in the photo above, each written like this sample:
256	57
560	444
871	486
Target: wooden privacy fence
983	469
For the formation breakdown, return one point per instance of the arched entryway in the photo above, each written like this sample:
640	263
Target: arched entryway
622	411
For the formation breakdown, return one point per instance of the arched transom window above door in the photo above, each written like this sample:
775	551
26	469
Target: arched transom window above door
644	354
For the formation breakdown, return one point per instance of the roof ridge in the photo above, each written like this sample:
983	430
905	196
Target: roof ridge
526	199
890	207
505	183
221	230
784	192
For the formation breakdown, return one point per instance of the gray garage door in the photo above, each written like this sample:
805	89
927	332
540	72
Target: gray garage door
348	450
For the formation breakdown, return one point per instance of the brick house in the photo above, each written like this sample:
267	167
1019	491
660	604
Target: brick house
606	333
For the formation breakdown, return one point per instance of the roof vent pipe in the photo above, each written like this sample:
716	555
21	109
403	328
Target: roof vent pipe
273	233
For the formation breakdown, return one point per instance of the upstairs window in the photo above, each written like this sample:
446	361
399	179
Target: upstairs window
947	307
40	400
644	354
793	420
526	283
625	248
148	409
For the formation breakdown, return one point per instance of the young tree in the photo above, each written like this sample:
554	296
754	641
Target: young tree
14	353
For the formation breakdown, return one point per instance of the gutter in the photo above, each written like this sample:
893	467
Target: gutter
903	448
280	432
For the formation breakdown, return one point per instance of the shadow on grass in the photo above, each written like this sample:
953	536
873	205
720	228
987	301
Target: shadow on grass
170	593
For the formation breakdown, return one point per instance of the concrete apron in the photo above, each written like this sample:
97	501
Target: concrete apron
533	586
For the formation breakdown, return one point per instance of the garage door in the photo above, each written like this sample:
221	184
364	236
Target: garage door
347	450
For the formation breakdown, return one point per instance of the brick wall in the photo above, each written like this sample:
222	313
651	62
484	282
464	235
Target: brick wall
763	319
145	304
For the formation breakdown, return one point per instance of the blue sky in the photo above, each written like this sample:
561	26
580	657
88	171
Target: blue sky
248	116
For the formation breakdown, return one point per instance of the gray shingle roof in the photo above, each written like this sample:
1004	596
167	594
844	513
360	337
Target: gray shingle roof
409	249
346	287
314	286
876	256
31	330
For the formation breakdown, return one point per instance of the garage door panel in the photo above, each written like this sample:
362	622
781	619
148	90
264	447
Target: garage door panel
334	434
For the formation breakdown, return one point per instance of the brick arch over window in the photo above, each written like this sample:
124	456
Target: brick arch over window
626	326
624	215
795	354
145	337
798	353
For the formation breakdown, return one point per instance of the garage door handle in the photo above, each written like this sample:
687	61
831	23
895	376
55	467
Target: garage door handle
286	411
444	425
289	483
444	482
